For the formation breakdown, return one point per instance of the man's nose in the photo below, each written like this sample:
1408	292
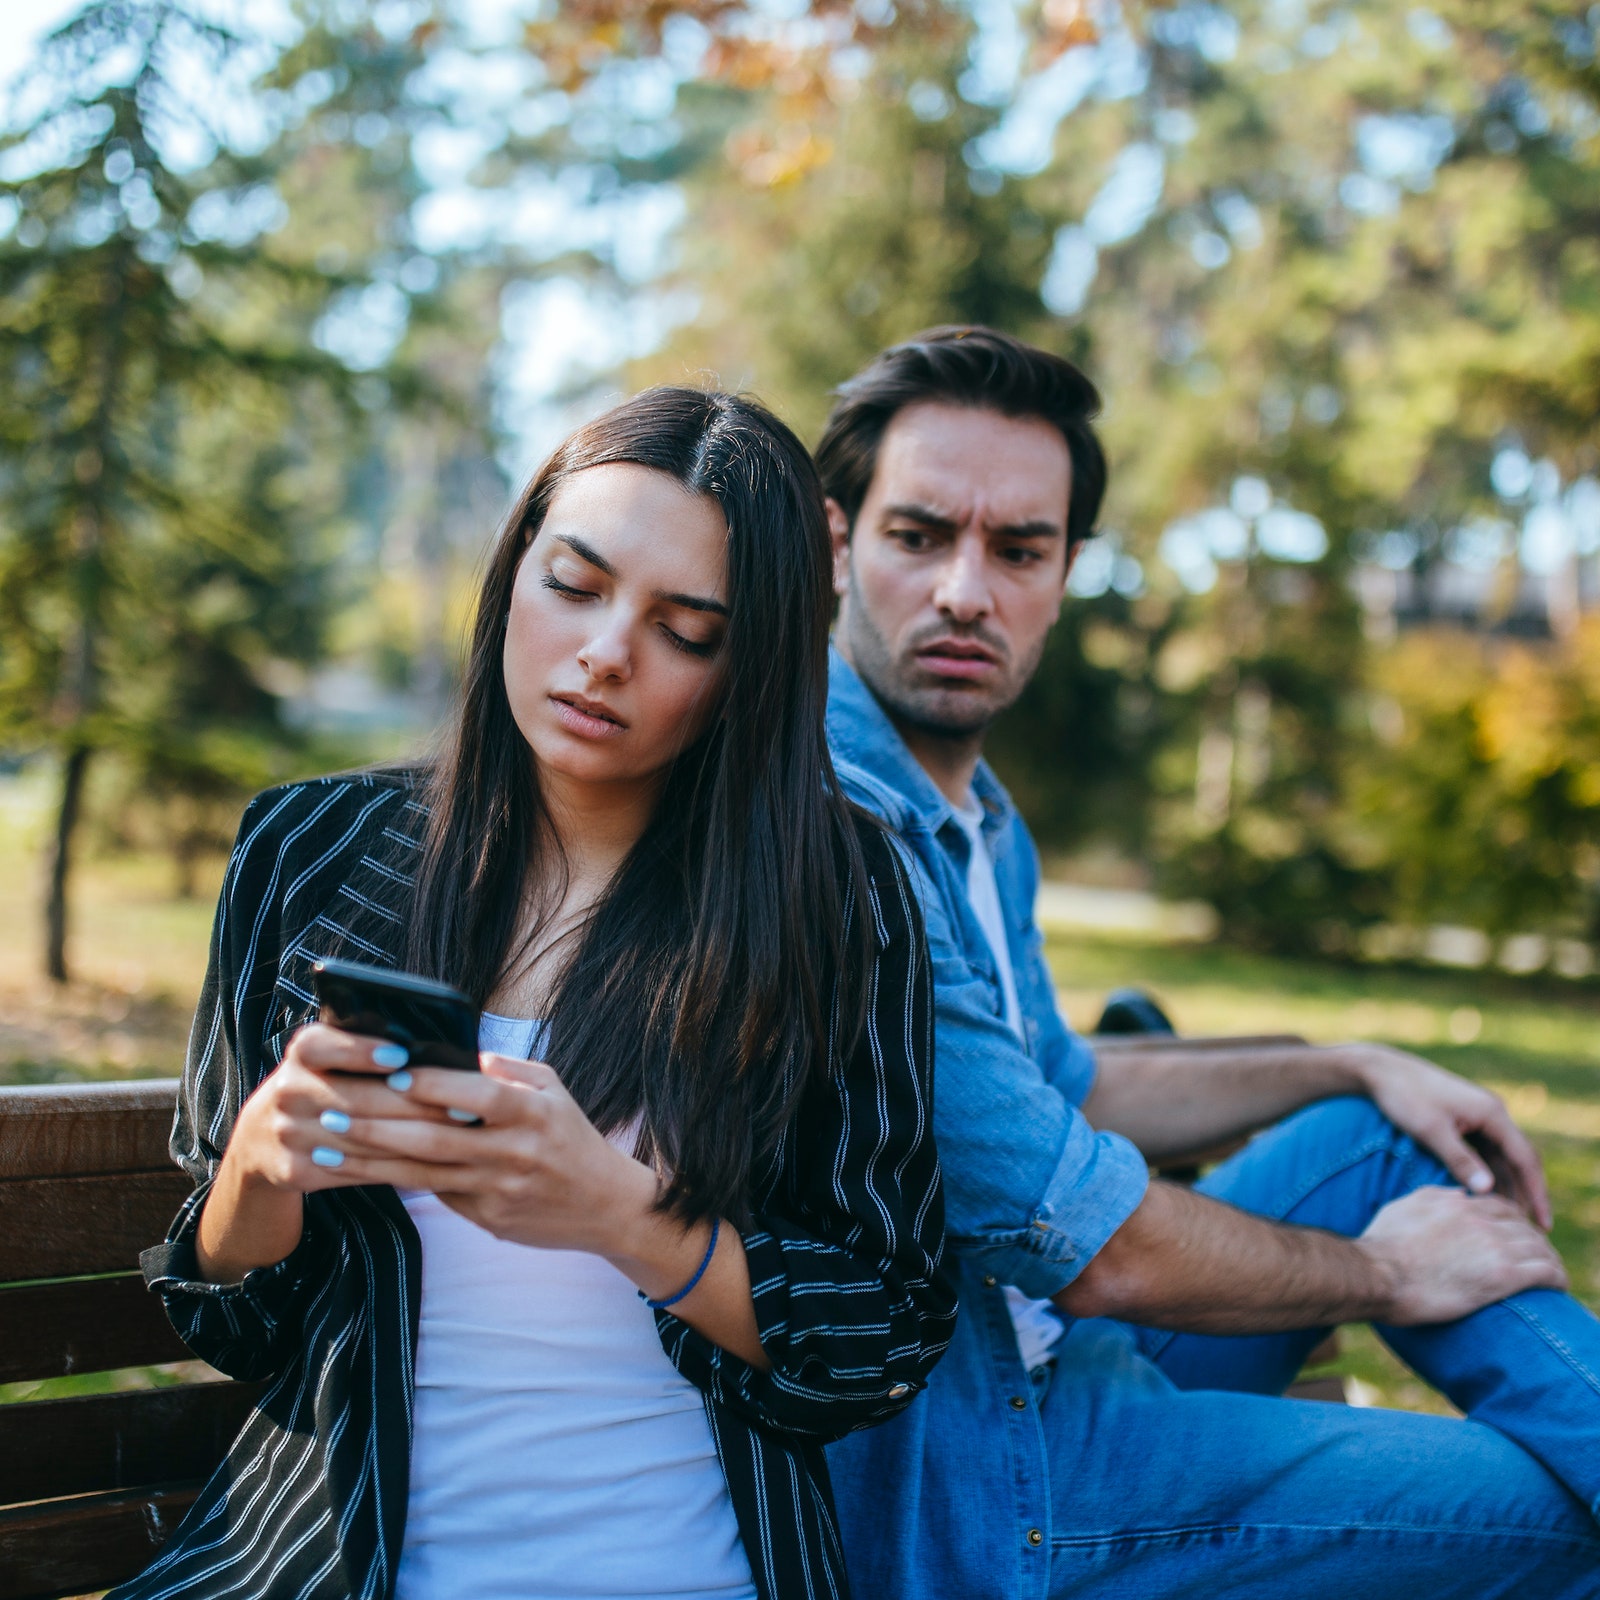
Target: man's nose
609	653
963	591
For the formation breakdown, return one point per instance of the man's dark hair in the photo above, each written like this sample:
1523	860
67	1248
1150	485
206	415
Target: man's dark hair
963	366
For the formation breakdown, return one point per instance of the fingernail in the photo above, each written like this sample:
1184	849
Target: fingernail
399	1080
335	1121
390	1055
456	1114
1480	1181
322	1156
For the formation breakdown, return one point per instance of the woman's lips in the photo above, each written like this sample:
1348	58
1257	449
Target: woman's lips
586	724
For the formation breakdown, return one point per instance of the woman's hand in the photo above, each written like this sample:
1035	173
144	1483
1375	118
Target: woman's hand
326	1080
282	1145
536	1171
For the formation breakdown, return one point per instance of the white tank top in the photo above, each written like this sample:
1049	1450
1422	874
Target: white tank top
556	1453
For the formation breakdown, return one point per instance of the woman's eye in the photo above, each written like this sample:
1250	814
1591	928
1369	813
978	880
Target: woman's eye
551	581
693	647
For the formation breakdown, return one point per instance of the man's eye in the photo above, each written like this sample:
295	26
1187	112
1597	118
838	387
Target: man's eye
1020	555
911	538
551	581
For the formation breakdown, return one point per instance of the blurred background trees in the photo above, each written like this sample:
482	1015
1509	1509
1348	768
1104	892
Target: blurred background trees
1335	266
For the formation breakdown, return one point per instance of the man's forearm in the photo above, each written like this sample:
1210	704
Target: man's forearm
1184	1261
1175	1101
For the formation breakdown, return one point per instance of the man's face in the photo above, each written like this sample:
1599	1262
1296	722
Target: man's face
957	564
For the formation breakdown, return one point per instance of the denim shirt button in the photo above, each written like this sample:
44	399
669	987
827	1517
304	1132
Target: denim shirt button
1018	1403
1035	1538
989	1280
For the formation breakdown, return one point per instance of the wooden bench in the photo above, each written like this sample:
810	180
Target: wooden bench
91	1486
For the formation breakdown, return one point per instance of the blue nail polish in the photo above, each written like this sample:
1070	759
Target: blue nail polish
335	1121
399	1080
390	1055
456	1114
322	1156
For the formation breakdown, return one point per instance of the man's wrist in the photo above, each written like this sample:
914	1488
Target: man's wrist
1352	1066
1385	1282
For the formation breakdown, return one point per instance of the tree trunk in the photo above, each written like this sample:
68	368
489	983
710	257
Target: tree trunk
55	912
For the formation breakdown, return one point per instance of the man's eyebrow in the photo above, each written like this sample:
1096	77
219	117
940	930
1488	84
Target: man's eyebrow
692	602
588	552
1030	530
926	515
1038	528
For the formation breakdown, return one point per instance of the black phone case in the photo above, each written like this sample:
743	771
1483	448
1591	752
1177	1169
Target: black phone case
437	1024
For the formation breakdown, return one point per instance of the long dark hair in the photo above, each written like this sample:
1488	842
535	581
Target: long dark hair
703	989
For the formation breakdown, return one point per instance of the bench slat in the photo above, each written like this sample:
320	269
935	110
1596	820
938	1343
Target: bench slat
51	1330
61	1227
108	1442
82	1546
77	1129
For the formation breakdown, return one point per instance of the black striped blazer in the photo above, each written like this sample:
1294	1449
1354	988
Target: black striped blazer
852	1304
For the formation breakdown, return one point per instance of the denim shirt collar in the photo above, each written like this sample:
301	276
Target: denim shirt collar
861	734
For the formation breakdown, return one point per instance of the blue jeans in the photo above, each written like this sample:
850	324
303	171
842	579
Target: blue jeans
1176	1470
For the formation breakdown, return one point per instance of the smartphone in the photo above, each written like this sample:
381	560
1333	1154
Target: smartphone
437	1024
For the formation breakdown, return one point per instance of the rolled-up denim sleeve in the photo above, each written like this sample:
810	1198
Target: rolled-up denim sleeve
1030	1187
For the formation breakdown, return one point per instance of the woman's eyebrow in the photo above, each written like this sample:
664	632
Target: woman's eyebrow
588	552
690	602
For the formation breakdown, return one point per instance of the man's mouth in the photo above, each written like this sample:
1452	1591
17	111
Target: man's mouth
957	658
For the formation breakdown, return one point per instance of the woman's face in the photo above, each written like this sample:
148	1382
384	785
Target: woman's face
614	641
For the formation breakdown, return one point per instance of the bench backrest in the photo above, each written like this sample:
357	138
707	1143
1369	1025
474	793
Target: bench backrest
91	1487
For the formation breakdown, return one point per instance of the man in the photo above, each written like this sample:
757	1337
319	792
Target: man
1106	1422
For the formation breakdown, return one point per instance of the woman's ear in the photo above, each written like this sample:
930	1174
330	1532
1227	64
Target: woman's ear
839	533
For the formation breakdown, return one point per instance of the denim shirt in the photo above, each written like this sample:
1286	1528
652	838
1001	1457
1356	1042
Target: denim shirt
952	1498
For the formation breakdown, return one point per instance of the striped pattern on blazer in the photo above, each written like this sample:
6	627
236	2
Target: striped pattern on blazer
850	1298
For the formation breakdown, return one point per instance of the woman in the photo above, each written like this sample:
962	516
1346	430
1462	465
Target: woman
579	1324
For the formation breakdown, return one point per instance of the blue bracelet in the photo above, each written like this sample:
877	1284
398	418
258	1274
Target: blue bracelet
699	1273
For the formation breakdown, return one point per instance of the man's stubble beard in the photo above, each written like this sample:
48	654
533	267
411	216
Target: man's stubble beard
921	710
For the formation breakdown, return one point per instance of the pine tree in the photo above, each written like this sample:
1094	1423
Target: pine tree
167	421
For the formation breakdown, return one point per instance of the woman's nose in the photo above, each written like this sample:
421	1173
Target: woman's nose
608	654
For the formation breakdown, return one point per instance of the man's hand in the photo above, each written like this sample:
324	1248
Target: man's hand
1444	1254
1467	1127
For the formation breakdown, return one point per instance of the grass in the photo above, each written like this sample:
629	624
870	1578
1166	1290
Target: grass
1537	1041
140	955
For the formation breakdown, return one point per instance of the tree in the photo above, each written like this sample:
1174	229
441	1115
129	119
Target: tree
815	243
166	417
1326	261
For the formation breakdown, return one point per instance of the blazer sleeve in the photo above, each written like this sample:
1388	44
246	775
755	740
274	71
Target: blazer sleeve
253	1328
853	1304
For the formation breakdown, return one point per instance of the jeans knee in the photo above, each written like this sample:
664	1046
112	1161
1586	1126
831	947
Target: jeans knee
1348	1124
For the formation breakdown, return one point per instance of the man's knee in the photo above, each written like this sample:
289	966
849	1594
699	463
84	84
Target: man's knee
1347	1121
1350	1128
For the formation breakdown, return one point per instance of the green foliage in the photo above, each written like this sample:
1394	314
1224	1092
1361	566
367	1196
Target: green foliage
175	497
1365	263
1482	800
